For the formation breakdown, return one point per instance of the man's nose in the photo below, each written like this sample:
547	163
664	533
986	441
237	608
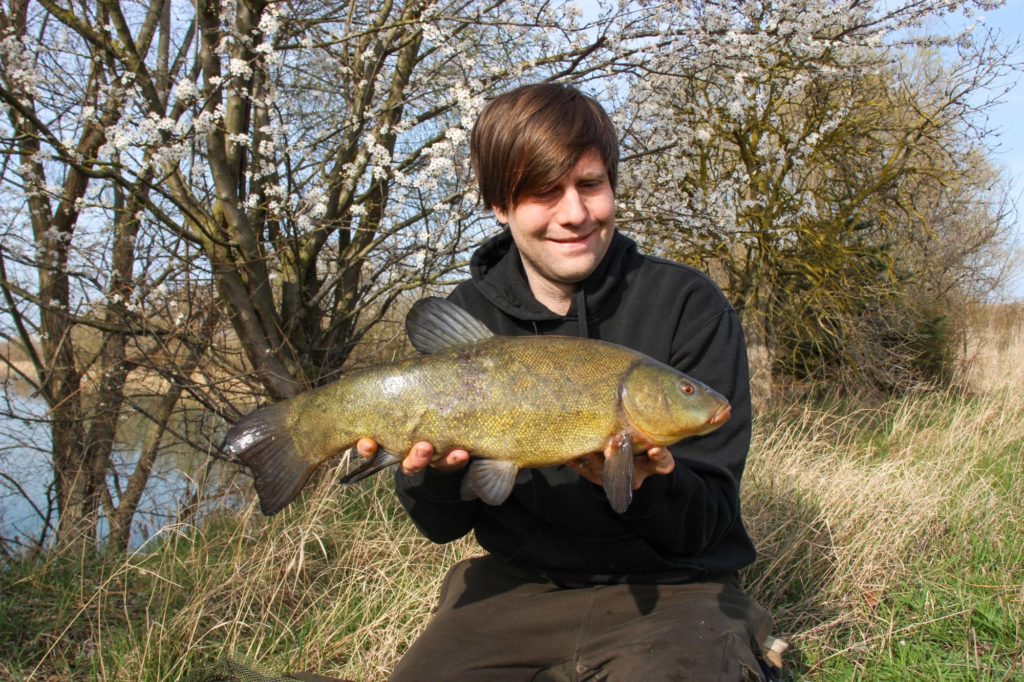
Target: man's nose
571	208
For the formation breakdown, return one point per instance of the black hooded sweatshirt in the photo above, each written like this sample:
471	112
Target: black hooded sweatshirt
680	527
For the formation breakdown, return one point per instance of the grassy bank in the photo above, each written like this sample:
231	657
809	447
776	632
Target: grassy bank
891	547
891	539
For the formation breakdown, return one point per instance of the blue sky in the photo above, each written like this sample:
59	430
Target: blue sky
1007	118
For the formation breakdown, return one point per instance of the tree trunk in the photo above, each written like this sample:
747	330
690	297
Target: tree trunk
760	355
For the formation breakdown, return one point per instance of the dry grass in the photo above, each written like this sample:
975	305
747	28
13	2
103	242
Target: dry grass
341	583
852	510
848	506
841	522
994	352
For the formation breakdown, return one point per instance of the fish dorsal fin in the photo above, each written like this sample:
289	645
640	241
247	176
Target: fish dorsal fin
434	324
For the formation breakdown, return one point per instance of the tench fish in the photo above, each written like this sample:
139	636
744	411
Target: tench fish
510	401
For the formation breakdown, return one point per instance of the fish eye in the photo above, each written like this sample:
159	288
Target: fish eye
687	388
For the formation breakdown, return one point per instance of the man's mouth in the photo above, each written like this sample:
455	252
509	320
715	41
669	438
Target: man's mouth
573	240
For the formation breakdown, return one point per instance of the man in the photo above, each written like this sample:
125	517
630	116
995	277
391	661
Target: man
570	589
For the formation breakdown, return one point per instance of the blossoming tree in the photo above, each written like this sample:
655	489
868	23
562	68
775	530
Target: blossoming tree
792	138
294	167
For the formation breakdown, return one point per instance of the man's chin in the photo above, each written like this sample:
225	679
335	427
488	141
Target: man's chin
575	275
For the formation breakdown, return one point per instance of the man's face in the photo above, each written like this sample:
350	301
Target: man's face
563	231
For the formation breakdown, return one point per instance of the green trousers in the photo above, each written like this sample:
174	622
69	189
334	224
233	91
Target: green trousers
495	622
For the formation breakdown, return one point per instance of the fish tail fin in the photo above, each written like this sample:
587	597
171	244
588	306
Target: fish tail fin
261	442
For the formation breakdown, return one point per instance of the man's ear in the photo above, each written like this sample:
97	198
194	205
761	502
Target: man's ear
501	215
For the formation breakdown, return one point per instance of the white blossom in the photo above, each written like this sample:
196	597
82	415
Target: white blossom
239	68
19	66
186	89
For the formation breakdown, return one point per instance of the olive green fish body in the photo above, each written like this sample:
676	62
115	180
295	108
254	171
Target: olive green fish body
474	398
517	402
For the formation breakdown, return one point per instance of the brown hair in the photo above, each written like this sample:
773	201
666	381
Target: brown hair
528	138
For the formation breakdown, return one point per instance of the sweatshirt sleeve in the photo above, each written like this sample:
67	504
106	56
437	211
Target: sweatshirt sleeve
690	510
431	498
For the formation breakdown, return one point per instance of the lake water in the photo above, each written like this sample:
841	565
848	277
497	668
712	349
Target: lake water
26	476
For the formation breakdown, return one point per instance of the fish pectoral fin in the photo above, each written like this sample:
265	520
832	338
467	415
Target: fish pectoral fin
358	468
435	324
618	471
489	479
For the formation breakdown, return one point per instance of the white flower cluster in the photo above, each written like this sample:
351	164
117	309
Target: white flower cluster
270	20
380	157
239	68
20	70
186	89
131	133
309	209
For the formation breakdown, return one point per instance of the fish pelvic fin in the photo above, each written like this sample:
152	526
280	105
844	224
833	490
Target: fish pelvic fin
434	324
618	471
261	442
491	480
382	459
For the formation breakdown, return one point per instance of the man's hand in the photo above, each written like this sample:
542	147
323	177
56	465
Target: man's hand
654	461
420	456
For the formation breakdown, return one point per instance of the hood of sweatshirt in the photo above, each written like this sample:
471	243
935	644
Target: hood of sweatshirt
497	268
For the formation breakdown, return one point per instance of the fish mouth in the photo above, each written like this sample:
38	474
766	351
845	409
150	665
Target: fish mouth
721	416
